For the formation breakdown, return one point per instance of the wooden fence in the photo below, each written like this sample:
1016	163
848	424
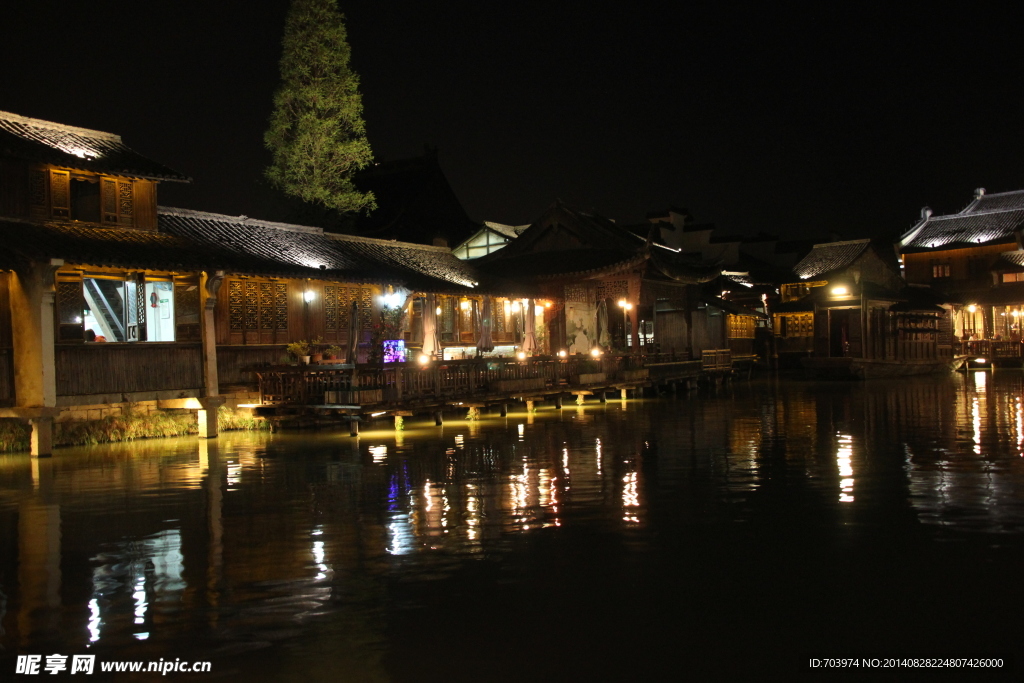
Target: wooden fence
85	369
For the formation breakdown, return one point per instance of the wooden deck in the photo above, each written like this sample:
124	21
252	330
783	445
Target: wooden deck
409	388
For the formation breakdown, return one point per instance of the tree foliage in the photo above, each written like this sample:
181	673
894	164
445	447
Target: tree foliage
317	135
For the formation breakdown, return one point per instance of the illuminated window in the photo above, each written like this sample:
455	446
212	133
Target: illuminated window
82	197
1013	277
940	270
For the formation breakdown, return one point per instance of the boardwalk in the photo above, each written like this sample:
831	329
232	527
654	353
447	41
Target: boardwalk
402	389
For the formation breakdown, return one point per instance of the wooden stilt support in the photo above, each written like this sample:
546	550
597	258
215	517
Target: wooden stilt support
603	395
503	409
439	418
558	401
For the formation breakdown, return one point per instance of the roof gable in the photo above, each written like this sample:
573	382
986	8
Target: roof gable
830	257
79	148
989	219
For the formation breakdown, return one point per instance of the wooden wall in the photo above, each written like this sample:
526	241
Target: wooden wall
122	368
13	188
234	362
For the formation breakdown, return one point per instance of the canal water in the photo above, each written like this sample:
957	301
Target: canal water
741	531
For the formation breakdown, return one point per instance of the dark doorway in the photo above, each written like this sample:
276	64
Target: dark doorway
839	333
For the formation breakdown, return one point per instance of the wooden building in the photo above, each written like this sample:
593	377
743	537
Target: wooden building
975	259
108	301
849	301
609	288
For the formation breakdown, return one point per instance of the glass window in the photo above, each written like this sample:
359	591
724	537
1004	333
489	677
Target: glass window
104	314
160	319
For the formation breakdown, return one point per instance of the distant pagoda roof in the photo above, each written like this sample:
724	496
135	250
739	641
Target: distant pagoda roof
79	148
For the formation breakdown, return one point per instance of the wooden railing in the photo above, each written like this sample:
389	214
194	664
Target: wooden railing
715	360
989	348
336	384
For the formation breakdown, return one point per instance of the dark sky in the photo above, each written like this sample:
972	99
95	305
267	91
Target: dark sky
833	117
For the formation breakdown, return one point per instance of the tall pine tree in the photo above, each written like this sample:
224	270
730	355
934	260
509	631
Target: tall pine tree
317	135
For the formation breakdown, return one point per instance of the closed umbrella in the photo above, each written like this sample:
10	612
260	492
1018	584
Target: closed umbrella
430	342
484	342
529	337
353	333
604	337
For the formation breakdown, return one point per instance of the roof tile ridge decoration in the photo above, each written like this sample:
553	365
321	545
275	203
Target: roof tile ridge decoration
385	243
62	127
239	220
987	212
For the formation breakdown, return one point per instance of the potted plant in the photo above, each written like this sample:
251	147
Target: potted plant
299	350
332	352
315	355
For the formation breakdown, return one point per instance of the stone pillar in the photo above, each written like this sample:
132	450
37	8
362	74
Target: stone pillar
503	410
438	418
399	423
207	416
211	285
603	395
41	440
558	401
624	393
353	427
529	407
580	399
32	296
473	414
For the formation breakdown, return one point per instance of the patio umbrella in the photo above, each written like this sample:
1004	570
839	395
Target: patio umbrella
604	337
484	342
430	342
353	333
529	337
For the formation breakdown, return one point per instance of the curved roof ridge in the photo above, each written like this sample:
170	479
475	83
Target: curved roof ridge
206	215
51	125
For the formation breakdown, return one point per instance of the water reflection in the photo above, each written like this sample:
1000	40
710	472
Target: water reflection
242	543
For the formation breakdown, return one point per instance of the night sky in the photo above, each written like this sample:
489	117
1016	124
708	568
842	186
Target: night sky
797	122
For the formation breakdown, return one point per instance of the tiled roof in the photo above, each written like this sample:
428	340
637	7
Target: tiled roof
989	218
1001	201
80	148
826	258
116	247
1011	261
962	229
310	252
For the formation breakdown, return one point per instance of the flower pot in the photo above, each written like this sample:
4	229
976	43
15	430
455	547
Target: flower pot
305	360
316	357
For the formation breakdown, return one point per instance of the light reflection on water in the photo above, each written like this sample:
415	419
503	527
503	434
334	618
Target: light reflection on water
238	545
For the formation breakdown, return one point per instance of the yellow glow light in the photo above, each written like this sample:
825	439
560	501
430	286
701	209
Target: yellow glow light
308	296
972	308
562	354
521	355
515	305
840	291
464	305
595	352
424	359
438	311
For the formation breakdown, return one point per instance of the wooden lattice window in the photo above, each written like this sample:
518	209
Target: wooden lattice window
236	301
257	308
186	312
613	289
70	308
60	194
498	315
331	308
576	293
